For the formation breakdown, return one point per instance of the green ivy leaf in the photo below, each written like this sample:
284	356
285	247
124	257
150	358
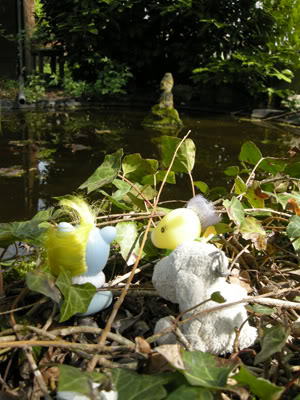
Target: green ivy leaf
235	210
232	171
133	386
264	389
250	153
260	309
202	186
203	369
217	297
127	238
123	188
76	297
272	165
135	167
251	229
75	380
190	393
273	342
104	174
159	177
293	228
239	186
293	170
41	283
185	157
117	203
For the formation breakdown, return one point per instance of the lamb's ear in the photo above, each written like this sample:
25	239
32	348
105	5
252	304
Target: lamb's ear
219	264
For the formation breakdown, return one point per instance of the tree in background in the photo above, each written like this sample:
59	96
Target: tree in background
246	43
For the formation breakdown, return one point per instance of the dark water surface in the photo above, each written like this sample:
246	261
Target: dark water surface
47	154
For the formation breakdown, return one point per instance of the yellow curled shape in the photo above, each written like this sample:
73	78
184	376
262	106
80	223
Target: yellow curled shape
176	227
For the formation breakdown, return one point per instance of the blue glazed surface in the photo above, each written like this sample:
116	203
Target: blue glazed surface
99	302
97	250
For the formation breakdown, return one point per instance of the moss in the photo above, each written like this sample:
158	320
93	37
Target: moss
163	117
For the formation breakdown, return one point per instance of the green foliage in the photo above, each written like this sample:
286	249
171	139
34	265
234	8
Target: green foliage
128	184
252	46
35	88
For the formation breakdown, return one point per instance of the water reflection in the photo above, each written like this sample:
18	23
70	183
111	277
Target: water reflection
47	154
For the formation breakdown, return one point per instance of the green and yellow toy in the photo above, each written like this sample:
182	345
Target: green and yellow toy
82	249
183	224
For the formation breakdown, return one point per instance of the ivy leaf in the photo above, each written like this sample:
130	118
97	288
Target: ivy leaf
74	380
135	167
26	231
133	386
127	238
273	342
293	231
117	203
235	210
202	186
191	393
104	174
272	165
39	282
251	229
239	186
250	153
293	170
185	157
260	309
159	177
217	297
232	171
293	228
206	370
255	196
264	389
123	188
76	297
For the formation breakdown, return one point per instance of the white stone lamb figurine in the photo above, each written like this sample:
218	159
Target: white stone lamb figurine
189	276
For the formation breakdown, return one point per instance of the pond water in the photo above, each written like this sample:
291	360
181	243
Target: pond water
48	154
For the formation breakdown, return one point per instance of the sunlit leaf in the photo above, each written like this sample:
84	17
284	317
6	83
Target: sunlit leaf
41	283
127	238
133	386
159	177
217	297
293	228
260	309
75	380
135	167
117	203
273	342
251	229
254	199
206	370
239	186
185	157
264	389
202	186
235	210
272	165
232	171
123	188
104	174
76	297
250	153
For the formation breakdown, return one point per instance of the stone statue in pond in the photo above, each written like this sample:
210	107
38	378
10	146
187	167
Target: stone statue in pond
163	114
